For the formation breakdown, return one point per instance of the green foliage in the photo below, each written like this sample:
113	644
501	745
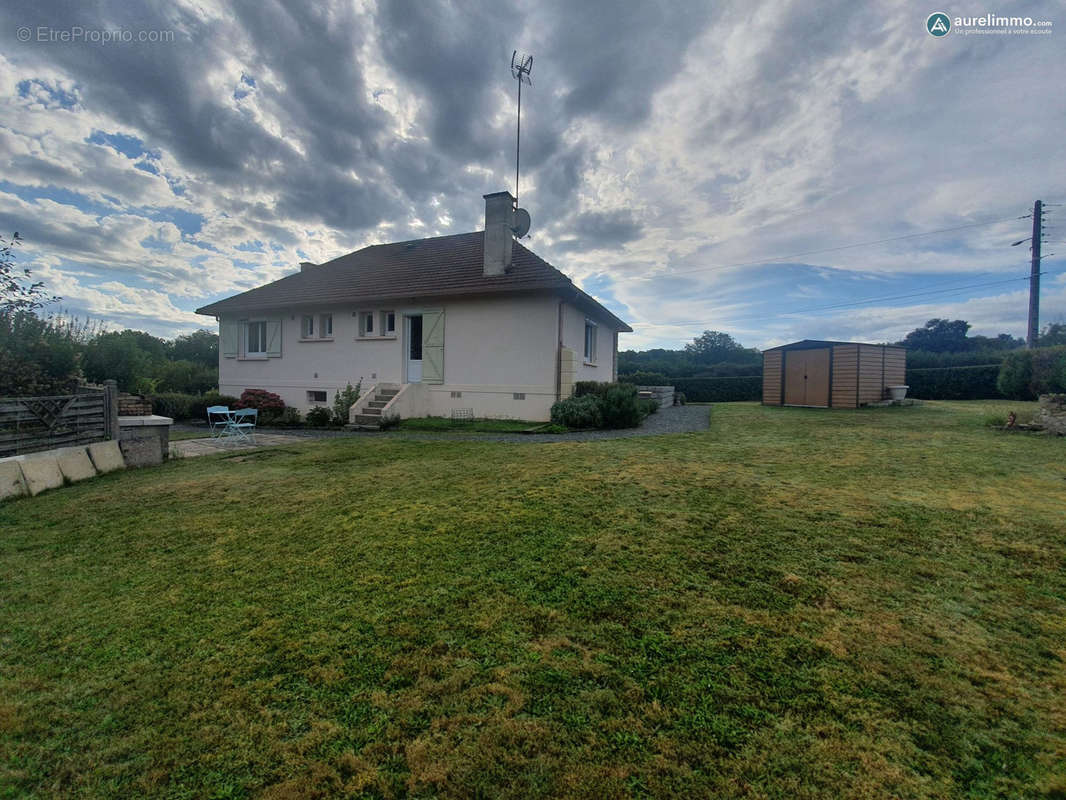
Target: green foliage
319	417
178	405
954	383
619	407
185	376
37	356
389	421
648	406
1027	374
925	359
18	292
1053	335
680	399
578	412
288	418
198	410
586	388
132	358
343	402
641	378
200	347
944	336
720	390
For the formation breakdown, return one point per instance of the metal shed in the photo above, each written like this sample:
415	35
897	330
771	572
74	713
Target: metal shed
826	374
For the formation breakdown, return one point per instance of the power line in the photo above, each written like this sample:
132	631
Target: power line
652	276
839	305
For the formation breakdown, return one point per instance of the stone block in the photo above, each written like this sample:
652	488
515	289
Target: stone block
74	463
106	456
142	452
12	483
41	472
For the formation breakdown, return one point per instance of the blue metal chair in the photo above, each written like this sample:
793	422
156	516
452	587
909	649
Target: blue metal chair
218	417
242	424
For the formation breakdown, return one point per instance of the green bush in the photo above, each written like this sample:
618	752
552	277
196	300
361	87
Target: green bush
389	421
344	401
619	406
578	412
319	417
1027	374
648	407
177	405
646	379
288	418
720	390
198	409
954	383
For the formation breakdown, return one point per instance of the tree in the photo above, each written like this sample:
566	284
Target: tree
714	347
200	347
1053	335
939	336
133	358
18	292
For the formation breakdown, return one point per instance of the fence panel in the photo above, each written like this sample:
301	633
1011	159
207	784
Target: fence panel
29	424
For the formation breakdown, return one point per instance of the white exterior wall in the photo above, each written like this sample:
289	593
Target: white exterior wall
604	367
493	349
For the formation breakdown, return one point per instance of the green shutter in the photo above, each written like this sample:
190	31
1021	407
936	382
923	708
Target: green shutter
228	332
433	347
273	337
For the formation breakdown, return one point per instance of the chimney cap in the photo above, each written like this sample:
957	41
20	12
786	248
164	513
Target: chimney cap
306	265
498	194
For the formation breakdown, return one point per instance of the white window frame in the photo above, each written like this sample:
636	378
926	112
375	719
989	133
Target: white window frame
325	326
590	341
323	392
364	317
307	326
260	324
385	329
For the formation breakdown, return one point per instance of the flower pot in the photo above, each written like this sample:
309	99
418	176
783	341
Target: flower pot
897	393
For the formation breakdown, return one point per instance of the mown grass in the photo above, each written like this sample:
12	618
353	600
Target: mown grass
794	604
479	425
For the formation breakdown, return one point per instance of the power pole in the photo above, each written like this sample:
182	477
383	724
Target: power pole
1034	280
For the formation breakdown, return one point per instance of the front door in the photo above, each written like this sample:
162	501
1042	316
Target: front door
413	335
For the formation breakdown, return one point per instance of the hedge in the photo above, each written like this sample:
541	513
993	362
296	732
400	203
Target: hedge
720	390
954	383
1027	374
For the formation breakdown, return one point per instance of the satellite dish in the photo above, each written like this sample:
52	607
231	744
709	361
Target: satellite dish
520	222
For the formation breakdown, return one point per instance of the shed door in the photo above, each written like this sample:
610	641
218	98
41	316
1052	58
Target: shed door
807	378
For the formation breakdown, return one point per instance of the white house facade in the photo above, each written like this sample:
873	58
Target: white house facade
471	323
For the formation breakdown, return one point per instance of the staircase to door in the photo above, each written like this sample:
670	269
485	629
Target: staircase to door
368	416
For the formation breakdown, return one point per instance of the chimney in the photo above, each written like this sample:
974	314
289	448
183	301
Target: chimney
499	217
306	265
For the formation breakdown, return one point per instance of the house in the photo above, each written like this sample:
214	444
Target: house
472	322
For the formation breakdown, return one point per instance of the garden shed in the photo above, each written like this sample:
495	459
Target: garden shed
831	374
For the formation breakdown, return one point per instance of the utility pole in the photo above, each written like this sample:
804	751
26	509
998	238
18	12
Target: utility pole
1034	279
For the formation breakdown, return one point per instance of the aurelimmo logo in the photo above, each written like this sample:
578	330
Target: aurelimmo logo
938	24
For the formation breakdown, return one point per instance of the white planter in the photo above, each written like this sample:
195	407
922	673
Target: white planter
897	393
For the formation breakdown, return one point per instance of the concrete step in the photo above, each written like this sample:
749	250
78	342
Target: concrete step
366	421
387	393
375	411
377	403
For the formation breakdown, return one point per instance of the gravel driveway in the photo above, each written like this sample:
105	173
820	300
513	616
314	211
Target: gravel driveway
673	419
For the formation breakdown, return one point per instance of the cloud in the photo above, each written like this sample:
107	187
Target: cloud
665	148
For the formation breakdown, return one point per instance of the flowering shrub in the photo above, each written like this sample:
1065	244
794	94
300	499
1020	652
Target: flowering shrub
261	399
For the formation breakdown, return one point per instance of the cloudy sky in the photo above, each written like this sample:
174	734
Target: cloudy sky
693	165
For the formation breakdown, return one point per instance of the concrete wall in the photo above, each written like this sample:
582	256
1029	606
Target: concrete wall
604	367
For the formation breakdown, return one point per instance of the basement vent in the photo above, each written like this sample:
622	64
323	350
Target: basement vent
519	395
457	394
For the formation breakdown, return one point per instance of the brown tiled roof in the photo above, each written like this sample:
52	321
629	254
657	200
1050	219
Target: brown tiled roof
440	267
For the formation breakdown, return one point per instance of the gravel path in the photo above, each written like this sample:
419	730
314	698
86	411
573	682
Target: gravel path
674	419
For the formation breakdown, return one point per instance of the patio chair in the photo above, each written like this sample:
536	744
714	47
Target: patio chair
218	417
241	425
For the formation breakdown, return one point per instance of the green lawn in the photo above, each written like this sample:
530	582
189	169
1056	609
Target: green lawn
478	425
794	604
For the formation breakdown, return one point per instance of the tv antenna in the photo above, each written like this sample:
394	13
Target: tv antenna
521	66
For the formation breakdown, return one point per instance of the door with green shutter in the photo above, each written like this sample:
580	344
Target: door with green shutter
433	346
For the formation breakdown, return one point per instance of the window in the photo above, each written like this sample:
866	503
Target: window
256	339
590	341
316	397
307	328
366	323
325	326
388	323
